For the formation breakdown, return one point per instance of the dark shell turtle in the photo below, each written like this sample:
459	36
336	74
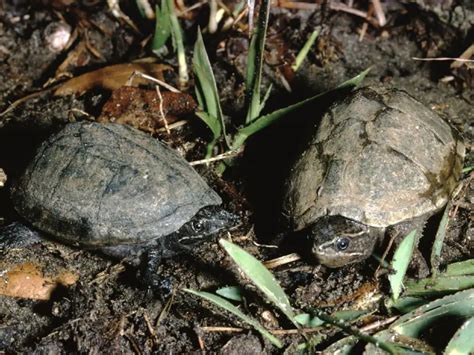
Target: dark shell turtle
379	161
114	188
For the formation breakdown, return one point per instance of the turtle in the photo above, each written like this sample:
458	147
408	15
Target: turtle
379	164
113	188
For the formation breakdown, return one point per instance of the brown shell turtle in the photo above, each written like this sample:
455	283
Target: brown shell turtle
380	162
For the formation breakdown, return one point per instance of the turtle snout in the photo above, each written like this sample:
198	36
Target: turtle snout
230	220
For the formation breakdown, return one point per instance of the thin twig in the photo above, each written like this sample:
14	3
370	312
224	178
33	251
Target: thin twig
147	9
379	324
162	113
150	328
108	272
3	177
282	260
350	10
133	343
114	7
222	329
444	59
173	125
230	153
191	8
91	48
385	253
344	8
202	346
166	309
155	80
26	98
379	13
212	25
298	5
269	246
468	53
365	25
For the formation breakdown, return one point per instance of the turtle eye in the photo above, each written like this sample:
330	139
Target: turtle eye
342	244
198	226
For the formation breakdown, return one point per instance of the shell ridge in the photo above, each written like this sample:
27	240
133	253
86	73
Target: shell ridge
53	193
176	157
98	218
424	122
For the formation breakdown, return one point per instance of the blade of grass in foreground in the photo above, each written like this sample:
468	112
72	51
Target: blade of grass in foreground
386	345
439	240
460	268
458	276
261	277
221	302
400	262
418	321
438	285
463	340
459	305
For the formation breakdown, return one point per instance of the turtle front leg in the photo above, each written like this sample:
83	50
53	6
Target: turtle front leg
163	248
396	233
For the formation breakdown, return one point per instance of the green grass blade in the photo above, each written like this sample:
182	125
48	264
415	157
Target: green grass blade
342	324
355	81
463	340
404	345
212	122
459	305
406	304
261	277
255	62
178	44
401	260
205	79
468	168
460	268
206	90
458	276
420	320
309	321
223	303
306	320
438	242
305	50
439	285
343	346
233	293
162	27
266	96
266	120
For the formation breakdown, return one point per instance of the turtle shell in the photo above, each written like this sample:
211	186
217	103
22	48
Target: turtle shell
108	184
379	157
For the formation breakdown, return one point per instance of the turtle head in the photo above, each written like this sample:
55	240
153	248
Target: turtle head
208	221
338	241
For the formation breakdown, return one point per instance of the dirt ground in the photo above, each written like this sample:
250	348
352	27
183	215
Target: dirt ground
82	301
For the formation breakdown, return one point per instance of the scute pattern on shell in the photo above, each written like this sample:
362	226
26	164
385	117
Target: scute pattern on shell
108	184
379	157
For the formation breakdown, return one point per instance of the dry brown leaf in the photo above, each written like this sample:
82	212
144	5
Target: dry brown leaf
27	281
111	77
145	109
